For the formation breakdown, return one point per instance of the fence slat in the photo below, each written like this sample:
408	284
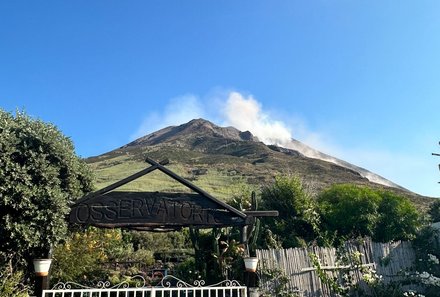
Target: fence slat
388	259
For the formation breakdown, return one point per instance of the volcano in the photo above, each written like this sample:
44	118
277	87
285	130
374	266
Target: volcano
219	158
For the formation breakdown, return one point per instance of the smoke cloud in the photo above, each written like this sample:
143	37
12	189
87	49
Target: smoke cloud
227	108
234	109
238	110
245	113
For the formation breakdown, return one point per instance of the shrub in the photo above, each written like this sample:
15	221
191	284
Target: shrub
39	176
434	211
298	220
350	211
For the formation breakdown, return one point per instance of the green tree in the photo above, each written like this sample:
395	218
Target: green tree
398	218
434	211
349	211
40	175
298	220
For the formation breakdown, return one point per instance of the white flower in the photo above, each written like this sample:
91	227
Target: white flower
412	294
424	274
433	259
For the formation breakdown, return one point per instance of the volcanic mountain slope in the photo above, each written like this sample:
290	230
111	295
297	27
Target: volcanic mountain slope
219	159
312	153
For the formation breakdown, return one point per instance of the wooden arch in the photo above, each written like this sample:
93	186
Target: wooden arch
159	211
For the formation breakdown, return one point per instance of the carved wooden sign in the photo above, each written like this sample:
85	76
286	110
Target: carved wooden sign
153	209
158	211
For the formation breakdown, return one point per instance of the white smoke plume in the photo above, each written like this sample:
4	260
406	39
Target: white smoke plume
247	114
232	108
241	111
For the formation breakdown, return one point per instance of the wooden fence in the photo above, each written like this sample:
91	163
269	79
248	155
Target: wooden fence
386	259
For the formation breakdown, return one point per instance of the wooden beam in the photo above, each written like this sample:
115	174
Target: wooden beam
262	213
194	187
121	182
352	267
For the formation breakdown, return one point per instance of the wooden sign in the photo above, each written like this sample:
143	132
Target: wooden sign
153	209
158	211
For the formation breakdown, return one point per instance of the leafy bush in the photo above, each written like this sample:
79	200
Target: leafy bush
427	266
82	257
275	283
159	242
298	220
12	281
350	211
188	272
11	284
398	218
434	211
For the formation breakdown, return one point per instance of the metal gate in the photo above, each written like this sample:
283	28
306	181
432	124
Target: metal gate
169	286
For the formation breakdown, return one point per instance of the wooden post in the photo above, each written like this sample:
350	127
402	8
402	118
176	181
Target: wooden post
250	280
41	283
41	267
244	237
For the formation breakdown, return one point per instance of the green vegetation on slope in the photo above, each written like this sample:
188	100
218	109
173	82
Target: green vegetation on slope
216	173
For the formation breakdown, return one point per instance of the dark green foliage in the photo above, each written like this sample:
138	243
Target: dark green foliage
425	244
427	248
39	176
244	198
349	211
187	271
218	254
205	245
398	219
297	221
434	211
160	242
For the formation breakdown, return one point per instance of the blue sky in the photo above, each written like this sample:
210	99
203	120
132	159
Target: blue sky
359	80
